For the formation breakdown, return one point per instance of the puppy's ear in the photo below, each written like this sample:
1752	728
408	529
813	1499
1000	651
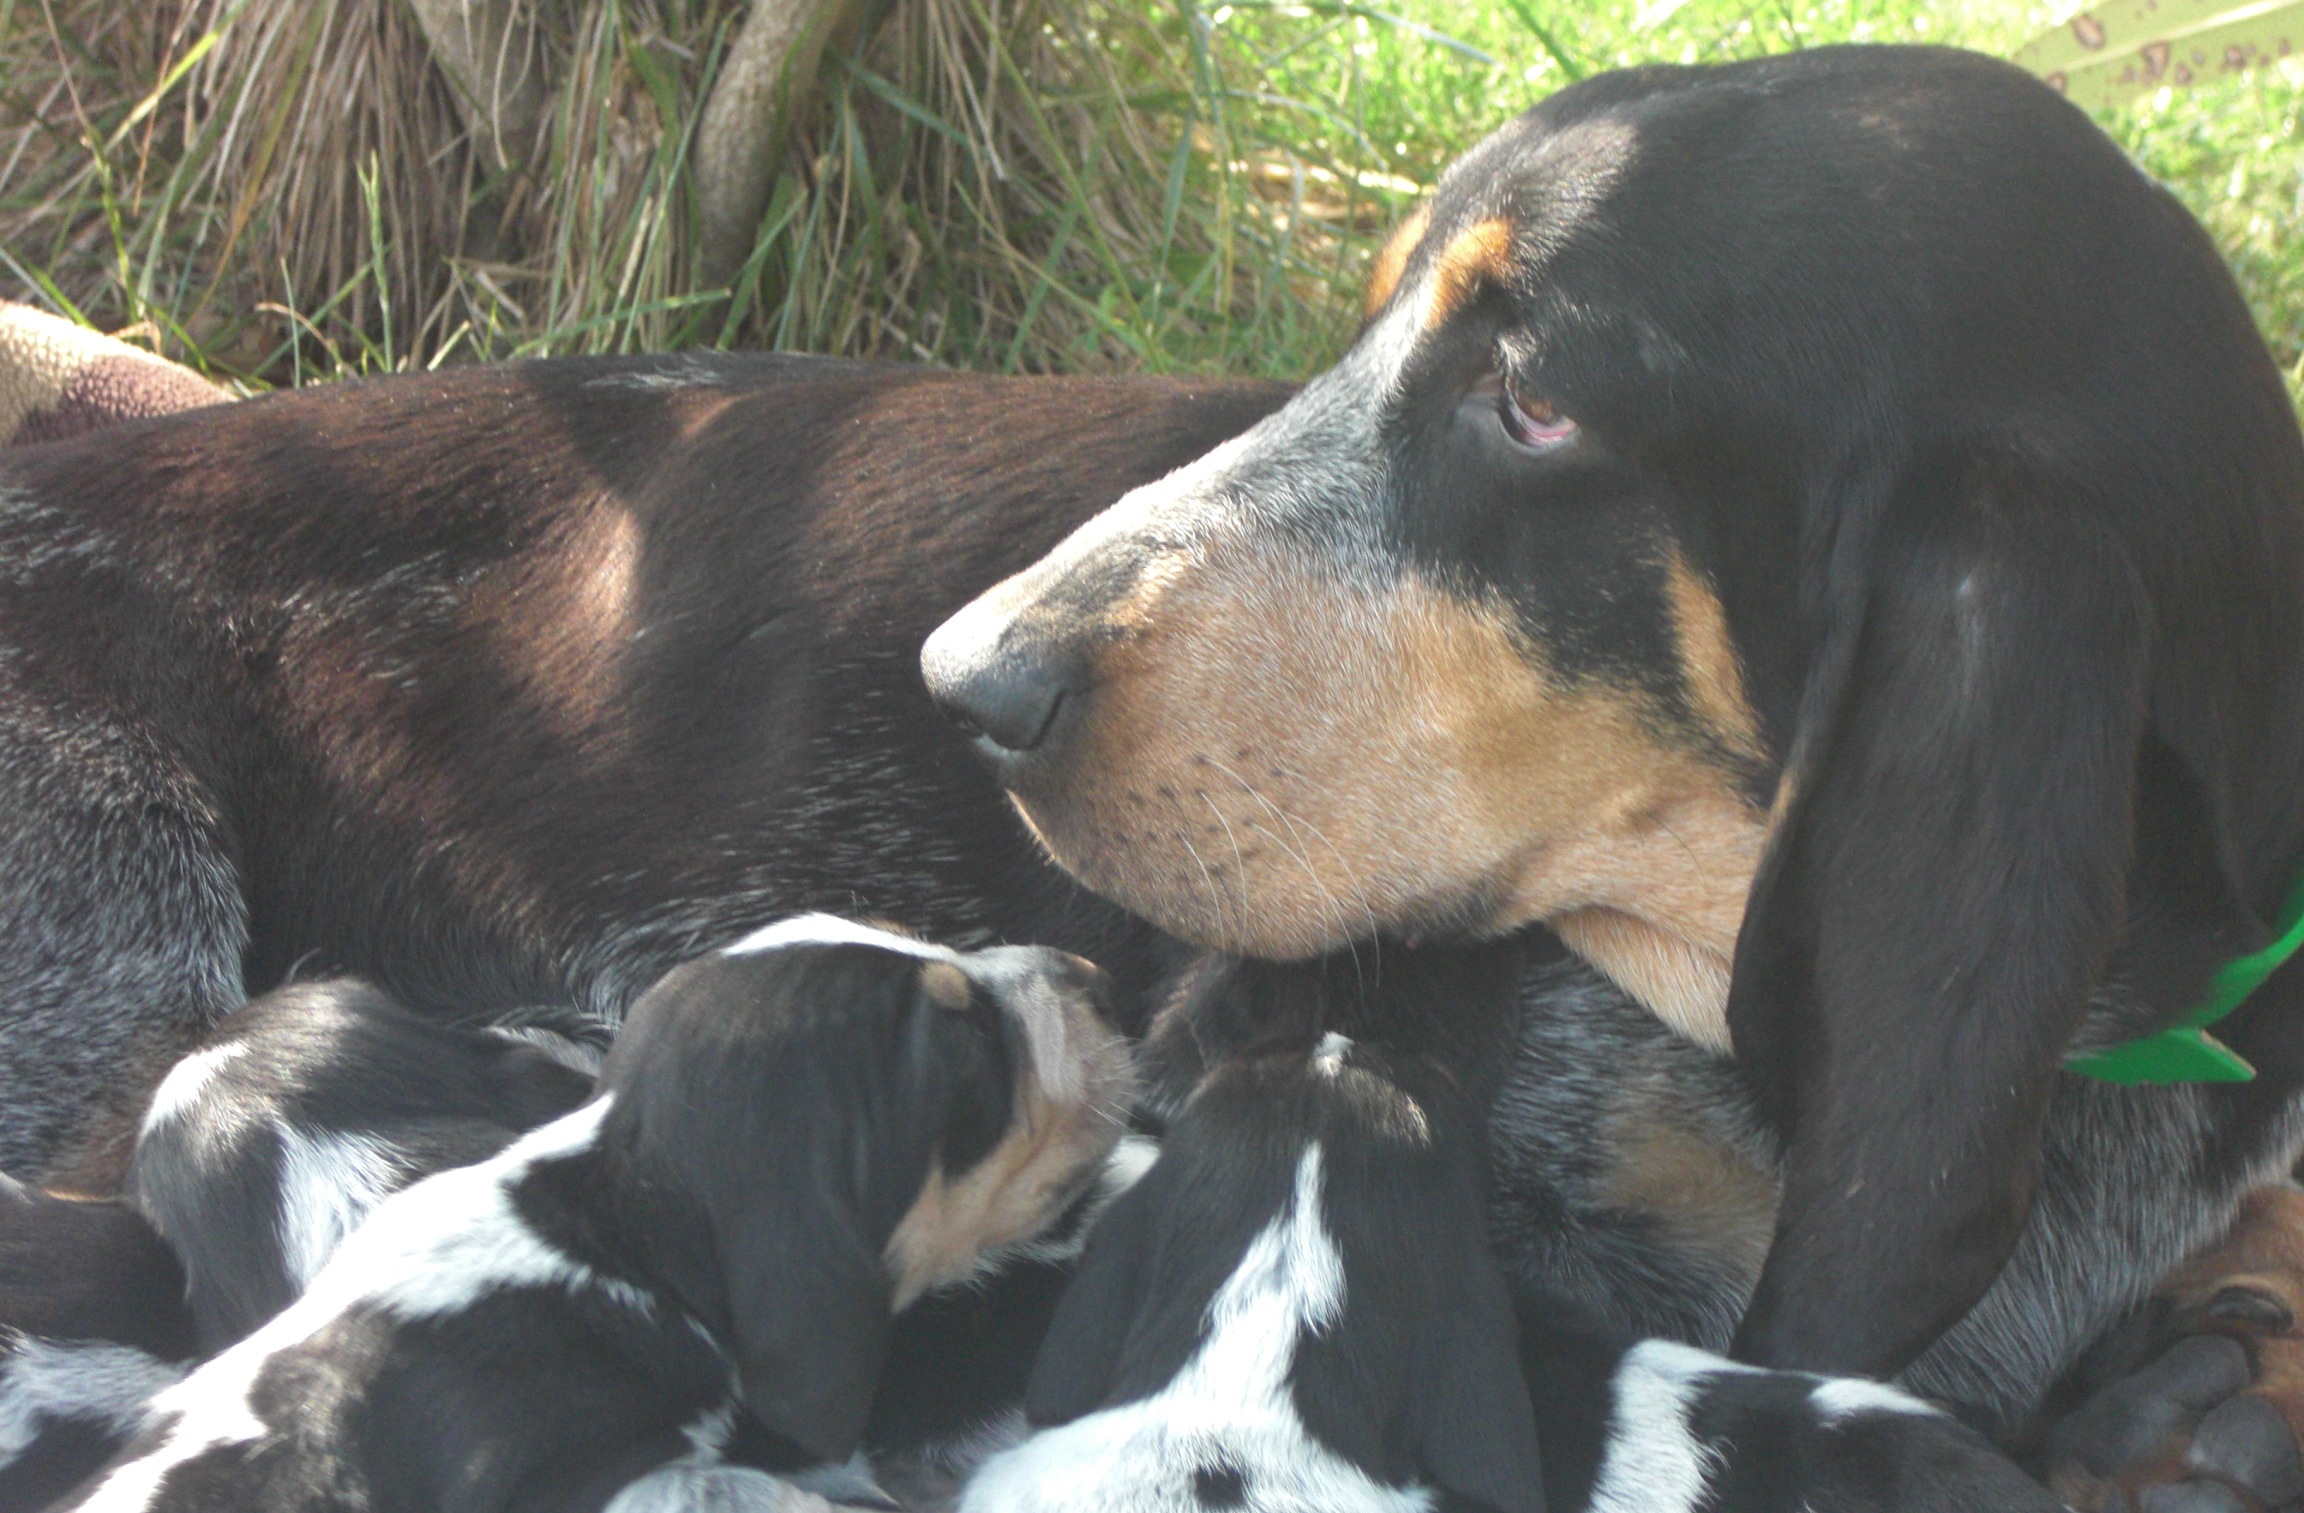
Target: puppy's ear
1475	1428
769	1130
809	1318
1077	1361
1945	882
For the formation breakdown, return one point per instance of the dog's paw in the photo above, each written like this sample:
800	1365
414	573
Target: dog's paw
2213	1420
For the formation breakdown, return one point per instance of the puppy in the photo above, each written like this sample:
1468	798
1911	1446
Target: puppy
1294	1309
92	1323
794	1137
1681	1430
306	1109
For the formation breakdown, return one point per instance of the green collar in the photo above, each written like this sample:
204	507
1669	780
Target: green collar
2185	1051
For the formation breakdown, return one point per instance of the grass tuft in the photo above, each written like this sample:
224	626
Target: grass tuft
278	191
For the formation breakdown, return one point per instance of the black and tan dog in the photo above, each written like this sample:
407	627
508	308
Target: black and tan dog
1822	534
522	684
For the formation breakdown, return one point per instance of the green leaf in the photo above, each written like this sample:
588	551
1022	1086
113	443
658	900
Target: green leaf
2107	54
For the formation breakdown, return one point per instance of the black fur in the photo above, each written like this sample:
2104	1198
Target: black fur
92	1322
512	685
517	685
711	1232
1414	1382
327	1065
1892	359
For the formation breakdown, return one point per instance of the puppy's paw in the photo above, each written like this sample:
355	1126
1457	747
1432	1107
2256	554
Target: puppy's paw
2213	1420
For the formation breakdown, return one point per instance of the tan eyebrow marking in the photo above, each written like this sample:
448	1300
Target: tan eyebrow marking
1479	255
1384	273
945	983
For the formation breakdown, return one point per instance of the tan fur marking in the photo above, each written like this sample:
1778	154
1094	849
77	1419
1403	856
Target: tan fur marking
1708	665
1682	983
1068	1113
1261	788
1384	273
1705	1194
1010	1195
1478	256
946	984
2262	1253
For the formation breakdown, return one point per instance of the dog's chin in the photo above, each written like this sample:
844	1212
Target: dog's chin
1224	903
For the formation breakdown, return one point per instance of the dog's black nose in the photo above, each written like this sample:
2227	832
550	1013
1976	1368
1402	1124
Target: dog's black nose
1010	696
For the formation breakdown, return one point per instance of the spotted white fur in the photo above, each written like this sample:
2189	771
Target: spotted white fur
1654	1462
1229	1407
832	930
43	1381
181	1088
329	1183
1844	1398
685	1488
433	1249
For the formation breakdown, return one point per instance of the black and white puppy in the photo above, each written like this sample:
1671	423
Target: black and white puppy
1297	1311
1676	1429
262	1150
92	1324
794	1137
1294	1309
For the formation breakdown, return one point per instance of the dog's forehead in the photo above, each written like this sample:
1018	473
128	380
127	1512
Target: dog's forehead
1500	214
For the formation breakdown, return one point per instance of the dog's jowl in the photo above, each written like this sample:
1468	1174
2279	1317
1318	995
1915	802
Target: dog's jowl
1825	524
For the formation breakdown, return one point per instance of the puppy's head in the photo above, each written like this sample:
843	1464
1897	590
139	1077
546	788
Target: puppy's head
825	1120
1296	1307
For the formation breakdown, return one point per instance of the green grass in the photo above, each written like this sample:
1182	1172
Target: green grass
278	190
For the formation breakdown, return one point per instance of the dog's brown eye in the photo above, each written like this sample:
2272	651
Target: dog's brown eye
1533	422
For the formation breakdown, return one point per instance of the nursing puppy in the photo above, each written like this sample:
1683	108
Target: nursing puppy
260	1153
794	1137
306	1109
1681	1430
1294	1309
92	1323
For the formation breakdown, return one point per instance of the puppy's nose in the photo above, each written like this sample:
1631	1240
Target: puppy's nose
1011	692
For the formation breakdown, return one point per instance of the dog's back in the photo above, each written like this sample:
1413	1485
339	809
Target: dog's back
510	684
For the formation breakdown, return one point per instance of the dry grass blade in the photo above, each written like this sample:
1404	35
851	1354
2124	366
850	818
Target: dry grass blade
284	189
1009	183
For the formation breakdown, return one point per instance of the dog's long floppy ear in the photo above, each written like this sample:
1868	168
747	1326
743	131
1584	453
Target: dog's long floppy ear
1073	1374
1944	885
773	1130
782	1271
809	1311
